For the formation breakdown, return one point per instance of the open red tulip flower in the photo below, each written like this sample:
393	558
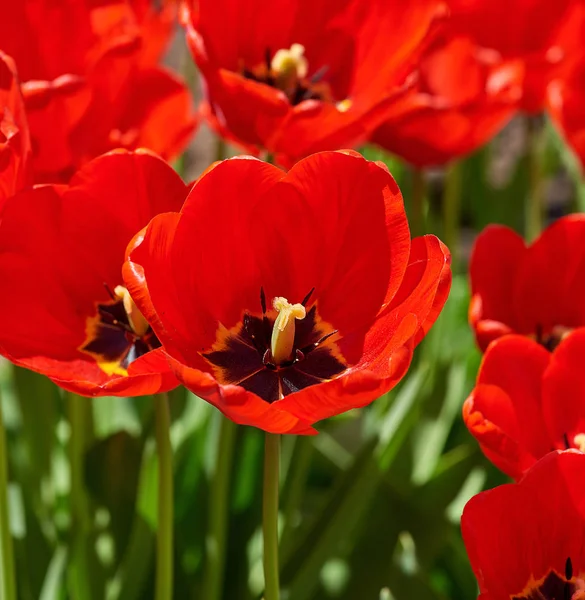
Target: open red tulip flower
15	145
528	401
299	77
462	98
65	312
287	298
526	540
87	85
532	290
539	34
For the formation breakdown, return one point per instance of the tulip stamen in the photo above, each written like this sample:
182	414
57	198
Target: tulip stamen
136	319
288	71
579	442
118	334
283	331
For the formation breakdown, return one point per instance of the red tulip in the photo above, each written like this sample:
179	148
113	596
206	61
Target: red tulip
527	401
87	85
65	312
538	34
525	540
535	290
566	96
298	78
286	298
462	98
14	135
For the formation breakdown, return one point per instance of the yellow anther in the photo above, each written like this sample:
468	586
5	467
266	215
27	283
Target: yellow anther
579	441
137	321
344	105
283	332
288	66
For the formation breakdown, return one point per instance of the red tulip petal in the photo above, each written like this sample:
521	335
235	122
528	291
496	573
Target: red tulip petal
497	255
518	533
552	277
564	390
15	148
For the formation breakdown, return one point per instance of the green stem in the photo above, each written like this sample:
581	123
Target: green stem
417	216
452	208
270	516
220	149
301	461
7	577
219	511
79	414
164	539
534	201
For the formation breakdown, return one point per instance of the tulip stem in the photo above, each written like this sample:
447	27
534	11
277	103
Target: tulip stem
534	201
270	516
7	577
452	208
220	149
417	217
79	414
164	538
219	511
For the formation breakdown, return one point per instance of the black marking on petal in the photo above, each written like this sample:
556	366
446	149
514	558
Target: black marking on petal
569	568
566	441
306	298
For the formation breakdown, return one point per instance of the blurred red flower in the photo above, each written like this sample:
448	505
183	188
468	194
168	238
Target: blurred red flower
539	34
528	401
462	98
535	290
87	85
14	135
65	313
525	540
284	299
298	78
566	97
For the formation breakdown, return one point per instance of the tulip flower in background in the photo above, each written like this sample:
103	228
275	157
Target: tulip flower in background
525	540
81	328
297	80
539	35
463	96
89	86
565	102
532	290
528	401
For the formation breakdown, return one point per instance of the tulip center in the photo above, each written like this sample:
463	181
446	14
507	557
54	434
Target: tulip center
118	333
556	587
551	339
288	71
278	352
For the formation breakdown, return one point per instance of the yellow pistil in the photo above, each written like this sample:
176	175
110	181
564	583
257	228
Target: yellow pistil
137	321
344	105
283	332
288	67
579	441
